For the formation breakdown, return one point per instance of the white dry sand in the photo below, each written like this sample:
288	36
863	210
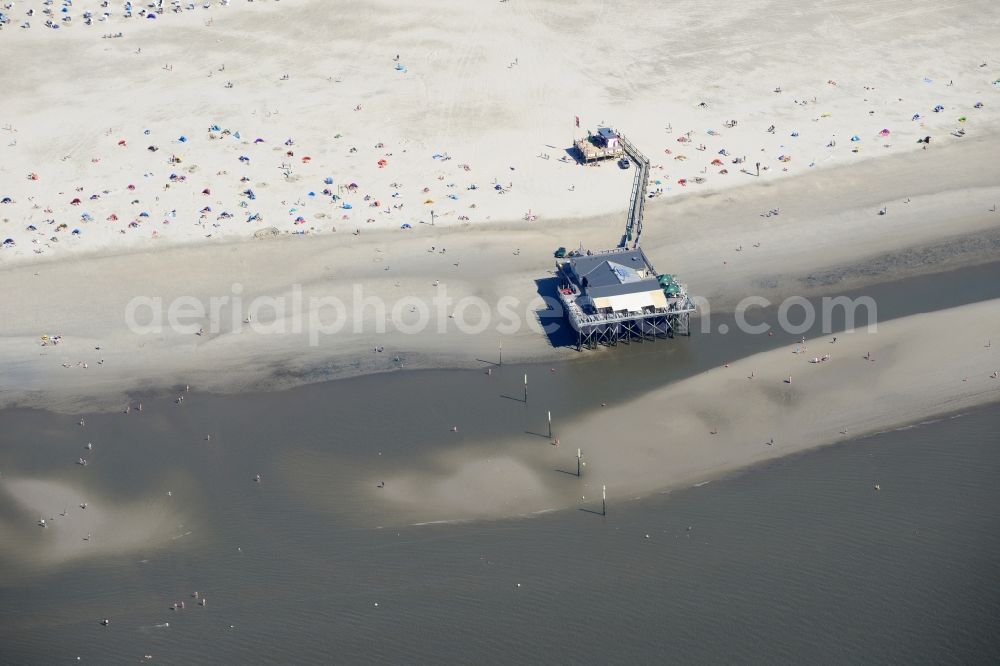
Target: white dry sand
711	424
494	86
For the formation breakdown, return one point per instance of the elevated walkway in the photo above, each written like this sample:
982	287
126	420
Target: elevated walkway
633	225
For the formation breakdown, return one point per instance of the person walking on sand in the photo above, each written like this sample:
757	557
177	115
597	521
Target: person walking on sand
758	169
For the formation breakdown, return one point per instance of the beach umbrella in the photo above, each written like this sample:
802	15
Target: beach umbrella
131	187
236	135
347	206
32	227
206	191
9	242
121	142
306	159
300	219
311	194
244	158
715	162
795	133
328	180
938	108
916	116
6	200
258	140
405	226
182	139
214	128
76	232
962	119
112	218
855	138
75	202
429	201
143	214
151	15
884	132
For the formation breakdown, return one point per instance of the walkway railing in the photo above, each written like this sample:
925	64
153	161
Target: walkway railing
633	226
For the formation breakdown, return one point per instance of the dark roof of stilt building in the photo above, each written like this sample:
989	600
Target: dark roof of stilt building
612	273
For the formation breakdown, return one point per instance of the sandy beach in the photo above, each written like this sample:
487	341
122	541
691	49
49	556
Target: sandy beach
271	272
842	154
369	124
828	235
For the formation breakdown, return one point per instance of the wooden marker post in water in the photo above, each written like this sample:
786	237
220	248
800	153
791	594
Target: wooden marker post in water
525	388
604	500
550	425
579	455
500	350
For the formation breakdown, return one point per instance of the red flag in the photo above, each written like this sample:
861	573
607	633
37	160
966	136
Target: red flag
578	121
